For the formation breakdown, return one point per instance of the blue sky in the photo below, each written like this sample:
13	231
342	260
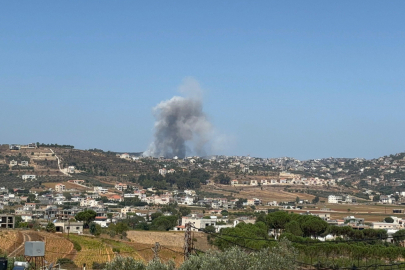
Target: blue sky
305	79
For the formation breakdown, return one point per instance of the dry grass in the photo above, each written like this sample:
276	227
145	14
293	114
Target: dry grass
10	240
100	249
67	184
173	240
265	193
56	246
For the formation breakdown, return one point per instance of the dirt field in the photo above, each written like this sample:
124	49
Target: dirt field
265	193
169	239
370	212
10	240
67	184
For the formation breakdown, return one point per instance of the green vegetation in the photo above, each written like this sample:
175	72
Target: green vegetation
86	216
95	229
55	145
50	227
190	179
350	248
279	257
76	245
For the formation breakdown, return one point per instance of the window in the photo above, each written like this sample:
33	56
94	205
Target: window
77	228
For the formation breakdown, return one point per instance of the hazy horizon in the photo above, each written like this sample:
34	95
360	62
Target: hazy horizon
300	79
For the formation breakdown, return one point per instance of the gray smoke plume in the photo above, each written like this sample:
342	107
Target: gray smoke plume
181	126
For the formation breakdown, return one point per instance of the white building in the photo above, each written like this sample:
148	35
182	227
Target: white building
60	188
13	163
100	190
188	200
334	199
253	182
190	192
24	163
127	209
162	171
71	169
234	182
27	176
71	227
198	223
88	202
124	155
121	187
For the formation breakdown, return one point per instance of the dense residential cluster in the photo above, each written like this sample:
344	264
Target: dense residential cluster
59	182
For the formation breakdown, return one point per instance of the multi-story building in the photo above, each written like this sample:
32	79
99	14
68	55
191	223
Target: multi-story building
334	199
7	221
60	188
121	187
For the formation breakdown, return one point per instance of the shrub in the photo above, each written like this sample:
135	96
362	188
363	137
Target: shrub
76	245
97	265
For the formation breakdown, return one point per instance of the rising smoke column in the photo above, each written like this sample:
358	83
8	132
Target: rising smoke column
180	121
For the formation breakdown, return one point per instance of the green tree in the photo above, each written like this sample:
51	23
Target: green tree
184	211
86	216
67	195
277	220
209	229
164	223
31	197
314	226
315	200
222	179
50	227
19	222
156	215
399	236
239	203
95	229
389	220
294	228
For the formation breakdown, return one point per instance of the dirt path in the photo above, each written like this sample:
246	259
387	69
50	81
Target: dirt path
60	169
20	249
108	254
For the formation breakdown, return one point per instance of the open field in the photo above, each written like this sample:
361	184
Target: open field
92	250
265	193
370	212
56	246
10	240
67	184
104	249
173	240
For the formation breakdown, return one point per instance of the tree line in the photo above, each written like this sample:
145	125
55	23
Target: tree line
349	246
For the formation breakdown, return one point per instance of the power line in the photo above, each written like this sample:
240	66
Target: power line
172	250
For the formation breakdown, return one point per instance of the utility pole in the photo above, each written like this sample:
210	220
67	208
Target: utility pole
156	250
188	242
68	226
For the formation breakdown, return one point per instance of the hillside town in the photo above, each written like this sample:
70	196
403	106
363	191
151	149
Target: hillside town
63	190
